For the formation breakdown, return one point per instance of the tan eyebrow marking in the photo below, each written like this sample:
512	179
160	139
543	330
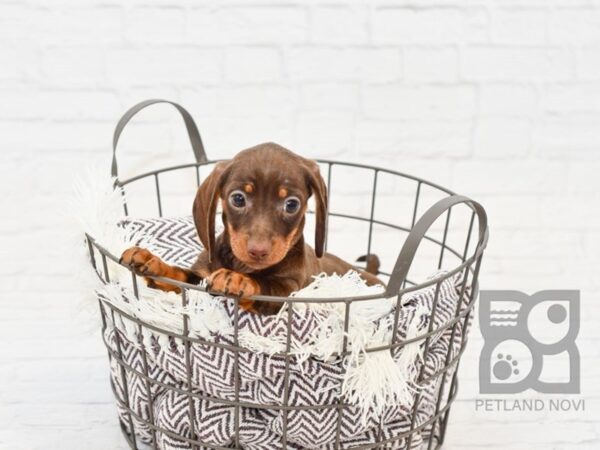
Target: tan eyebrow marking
248	188
283	192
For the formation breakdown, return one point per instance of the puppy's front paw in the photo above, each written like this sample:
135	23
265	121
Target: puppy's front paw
233	283
145	264
135	258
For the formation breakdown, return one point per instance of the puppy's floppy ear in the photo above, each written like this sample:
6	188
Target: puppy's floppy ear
205	205
318	188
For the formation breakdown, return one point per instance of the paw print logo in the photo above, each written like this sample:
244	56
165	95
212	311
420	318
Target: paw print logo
523	334
505	367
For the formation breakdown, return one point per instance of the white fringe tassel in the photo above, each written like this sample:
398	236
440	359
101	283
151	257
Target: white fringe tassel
373	381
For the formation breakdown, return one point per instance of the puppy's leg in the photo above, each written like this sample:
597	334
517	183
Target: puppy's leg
145	264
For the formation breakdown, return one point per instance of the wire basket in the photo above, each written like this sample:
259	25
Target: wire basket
458	256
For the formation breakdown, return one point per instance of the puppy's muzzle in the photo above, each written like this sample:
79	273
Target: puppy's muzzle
259	250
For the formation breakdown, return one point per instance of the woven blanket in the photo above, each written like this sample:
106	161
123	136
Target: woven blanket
337	403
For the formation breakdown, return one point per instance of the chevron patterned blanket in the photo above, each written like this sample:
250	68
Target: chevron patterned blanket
338	402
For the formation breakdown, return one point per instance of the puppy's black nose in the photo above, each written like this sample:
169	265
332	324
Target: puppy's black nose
258	251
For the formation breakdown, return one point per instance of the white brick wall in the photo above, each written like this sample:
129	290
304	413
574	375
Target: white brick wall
499	100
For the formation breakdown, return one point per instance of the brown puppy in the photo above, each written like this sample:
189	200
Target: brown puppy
263	192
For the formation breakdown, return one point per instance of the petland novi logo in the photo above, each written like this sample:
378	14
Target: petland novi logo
529	344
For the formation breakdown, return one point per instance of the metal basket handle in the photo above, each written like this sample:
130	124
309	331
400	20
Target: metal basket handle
409	249
192	130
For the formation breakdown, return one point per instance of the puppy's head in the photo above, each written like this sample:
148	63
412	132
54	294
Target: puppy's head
263	191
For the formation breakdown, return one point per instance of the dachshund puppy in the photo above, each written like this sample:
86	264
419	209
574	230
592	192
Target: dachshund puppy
263	192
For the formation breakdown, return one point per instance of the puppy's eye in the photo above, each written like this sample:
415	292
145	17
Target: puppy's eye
237	199
291	205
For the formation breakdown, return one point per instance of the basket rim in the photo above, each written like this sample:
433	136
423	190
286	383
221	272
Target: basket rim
467	263
280	299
